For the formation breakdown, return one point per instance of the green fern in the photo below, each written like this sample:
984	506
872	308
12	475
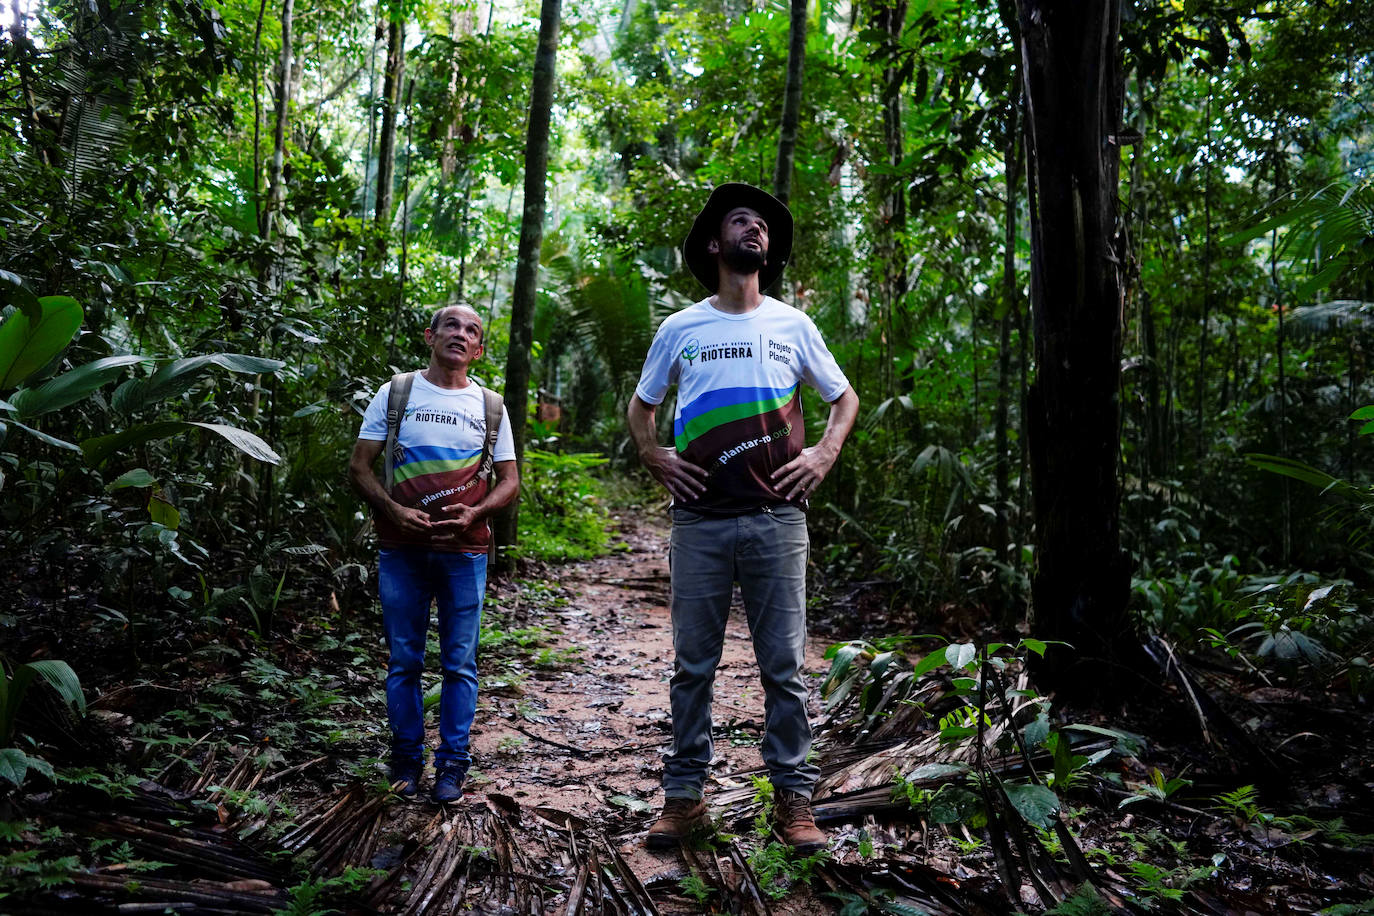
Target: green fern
1085	901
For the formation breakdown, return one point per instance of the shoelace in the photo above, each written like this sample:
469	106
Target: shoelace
798	813
679	806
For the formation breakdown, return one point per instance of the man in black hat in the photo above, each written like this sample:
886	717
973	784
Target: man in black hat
740	475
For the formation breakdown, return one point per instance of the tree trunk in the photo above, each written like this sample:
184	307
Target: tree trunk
531	236
1071	80
257	121
1204	331
276	184
791	113
386	142
1010	306
889	19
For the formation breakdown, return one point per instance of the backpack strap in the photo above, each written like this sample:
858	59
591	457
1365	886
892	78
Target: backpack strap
492	403
395	413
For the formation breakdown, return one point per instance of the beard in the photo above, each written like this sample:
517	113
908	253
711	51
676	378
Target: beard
743	260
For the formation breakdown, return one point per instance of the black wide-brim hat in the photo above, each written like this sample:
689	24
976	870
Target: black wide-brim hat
723	199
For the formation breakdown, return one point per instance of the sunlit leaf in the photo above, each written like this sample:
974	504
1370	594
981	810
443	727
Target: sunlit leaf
137	477
960	654
27	346
163	512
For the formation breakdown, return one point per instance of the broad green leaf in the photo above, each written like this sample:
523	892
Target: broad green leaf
138	477
1128	744
1363	413
44	437
930	662
954	805
70	387
1037	730
60	676
27	346
1063	758
839	668
244	441
180	375
960	654
14	764
937	771
1290	467
163	512
99	448
1036	804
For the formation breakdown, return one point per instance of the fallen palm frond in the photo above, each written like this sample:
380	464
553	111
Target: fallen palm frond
159	892
1218	727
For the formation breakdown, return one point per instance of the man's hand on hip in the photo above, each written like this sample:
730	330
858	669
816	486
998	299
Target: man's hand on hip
803	474
681	478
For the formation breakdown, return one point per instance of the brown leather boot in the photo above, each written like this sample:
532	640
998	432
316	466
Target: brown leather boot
794	820
680	817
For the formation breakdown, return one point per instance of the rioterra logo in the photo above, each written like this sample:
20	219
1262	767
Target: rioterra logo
690	351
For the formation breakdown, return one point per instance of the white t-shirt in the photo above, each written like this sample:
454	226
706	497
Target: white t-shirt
739	409
441	439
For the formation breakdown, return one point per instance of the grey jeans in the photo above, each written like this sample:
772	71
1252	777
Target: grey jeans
765	552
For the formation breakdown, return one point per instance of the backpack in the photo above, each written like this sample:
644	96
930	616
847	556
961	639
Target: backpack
399	397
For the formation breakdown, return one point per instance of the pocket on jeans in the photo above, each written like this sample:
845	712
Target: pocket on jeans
687	517
473	556
789	515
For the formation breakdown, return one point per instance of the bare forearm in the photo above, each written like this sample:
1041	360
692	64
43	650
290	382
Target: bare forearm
640	420
365	482
681	478
502	495
844	412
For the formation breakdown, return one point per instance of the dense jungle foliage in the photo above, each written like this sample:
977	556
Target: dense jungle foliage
224	224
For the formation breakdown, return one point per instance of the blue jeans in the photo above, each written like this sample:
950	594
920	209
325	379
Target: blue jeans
765	552
408	580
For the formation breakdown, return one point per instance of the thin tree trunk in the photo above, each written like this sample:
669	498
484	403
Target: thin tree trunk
386	144
371	111
1071	78
1204	332
791	113
1286	520
404	264
276	184
889	19
1010	306
531	236
257	120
